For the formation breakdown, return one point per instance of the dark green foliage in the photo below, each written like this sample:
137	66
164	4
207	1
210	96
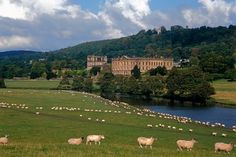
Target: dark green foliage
64	84
159	70
95	70
78	84
188	84
136	72
215	63
107	84
2	83
37	70
231	74
82	84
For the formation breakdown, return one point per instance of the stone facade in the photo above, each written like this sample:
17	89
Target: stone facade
93	61
124	65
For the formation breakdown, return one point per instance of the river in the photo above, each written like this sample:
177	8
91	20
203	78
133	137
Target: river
213	114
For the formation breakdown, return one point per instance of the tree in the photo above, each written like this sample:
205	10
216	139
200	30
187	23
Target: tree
136	72
88	85
95	70
230	74
188	84
2	83
37	70
78	84
159	70
64	84
106	83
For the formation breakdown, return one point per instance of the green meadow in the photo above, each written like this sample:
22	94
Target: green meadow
32	84
46	134
225	92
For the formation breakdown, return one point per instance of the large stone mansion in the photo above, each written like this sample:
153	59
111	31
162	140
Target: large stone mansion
93	61
123	65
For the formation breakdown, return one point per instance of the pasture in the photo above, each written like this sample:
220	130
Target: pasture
66	114
32	84
225	92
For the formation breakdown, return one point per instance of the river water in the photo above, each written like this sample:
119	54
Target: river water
214	114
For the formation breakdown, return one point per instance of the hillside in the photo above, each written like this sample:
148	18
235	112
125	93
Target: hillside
177	42
17	53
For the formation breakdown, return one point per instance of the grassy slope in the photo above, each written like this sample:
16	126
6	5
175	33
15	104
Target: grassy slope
225	92
46	134
32	84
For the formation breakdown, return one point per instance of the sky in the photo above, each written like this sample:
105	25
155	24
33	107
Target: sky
46	25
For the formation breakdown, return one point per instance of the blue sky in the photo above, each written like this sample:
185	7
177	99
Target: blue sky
53	24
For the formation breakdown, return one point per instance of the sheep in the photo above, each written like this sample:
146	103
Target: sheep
145	141
190	130
224	147
223	135
94	138
149	125
4	140
214	133
183	144
75	141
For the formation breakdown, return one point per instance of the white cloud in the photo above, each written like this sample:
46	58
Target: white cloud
15	41
211	13
12	10
134	10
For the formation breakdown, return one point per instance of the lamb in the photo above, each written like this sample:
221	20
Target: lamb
145	141
183	144
224	147
75	141
94	138
4	140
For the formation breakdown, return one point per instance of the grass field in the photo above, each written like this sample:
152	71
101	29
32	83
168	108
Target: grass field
46	134
32	84
225	92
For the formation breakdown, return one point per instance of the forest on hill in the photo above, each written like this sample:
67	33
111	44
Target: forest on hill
212	49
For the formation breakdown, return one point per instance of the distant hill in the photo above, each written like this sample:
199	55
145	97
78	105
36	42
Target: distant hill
177	42
17	53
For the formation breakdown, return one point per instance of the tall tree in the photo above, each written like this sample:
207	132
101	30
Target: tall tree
190	84
2	83
136	72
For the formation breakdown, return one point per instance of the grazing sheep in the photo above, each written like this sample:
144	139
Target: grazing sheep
4	140
183	144
75	141
94	138
190	130
214	133
223	135
145	141
224	147
149	125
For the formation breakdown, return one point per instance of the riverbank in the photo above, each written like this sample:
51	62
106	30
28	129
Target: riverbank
225	91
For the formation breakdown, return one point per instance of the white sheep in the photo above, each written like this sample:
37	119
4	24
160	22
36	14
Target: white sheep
144	141
223	135
75	141
214	133
94	138
183	144
4	140
224	147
